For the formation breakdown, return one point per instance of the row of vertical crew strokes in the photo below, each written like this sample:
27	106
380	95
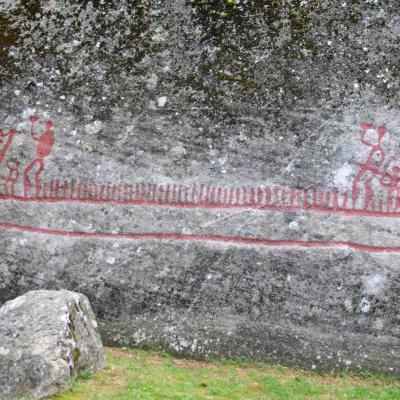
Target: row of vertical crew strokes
201	195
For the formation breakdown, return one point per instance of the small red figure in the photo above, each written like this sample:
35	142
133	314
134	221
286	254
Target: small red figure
9	135
371	168
12	177
43	149
392	182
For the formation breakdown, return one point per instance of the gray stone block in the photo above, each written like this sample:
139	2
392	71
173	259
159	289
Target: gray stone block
47	338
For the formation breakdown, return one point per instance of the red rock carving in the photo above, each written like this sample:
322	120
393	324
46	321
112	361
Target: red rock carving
12	177
373	176
392	182
372	168
10	136
43	149
243	240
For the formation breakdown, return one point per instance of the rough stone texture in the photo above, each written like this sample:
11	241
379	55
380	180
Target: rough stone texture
242	94
46	339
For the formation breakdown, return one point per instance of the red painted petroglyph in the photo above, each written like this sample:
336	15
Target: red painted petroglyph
372	168
12	178
205	196
375	191
10	136
43	149
203	237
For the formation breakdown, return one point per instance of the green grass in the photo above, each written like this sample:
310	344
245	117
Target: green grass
140	375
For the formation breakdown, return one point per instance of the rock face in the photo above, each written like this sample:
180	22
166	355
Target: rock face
47	338
218	177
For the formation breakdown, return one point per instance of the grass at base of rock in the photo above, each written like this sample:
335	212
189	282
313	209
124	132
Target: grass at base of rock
141	375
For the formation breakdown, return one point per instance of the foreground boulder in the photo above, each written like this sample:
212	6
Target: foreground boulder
47	338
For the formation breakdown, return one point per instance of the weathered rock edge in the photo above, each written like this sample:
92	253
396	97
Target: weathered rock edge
47	338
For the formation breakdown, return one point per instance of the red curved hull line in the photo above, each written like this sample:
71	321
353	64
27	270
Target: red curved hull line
204	237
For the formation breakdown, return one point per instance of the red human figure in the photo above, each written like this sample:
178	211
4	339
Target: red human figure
12	177
392	182
10	136
43	149
372	167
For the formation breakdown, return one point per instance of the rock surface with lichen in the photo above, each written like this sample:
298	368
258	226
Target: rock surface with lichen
47	338
227	94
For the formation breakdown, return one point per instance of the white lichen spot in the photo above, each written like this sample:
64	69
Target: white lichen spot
365	305
110	260
184	343
64	318
4	351
77	298
374	285
28	112
94	323
139	336
293	225
162	101
94	127
222	160
343	176
289	167
23	242
242	137
209	276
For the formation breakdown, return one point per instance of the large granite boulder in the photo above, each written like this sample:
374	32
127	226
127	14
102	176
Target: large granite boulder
218	177
47	338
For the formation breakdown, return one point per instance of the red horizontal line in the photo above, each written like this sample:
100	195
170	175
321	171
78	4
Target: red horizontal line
342	211
204	237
